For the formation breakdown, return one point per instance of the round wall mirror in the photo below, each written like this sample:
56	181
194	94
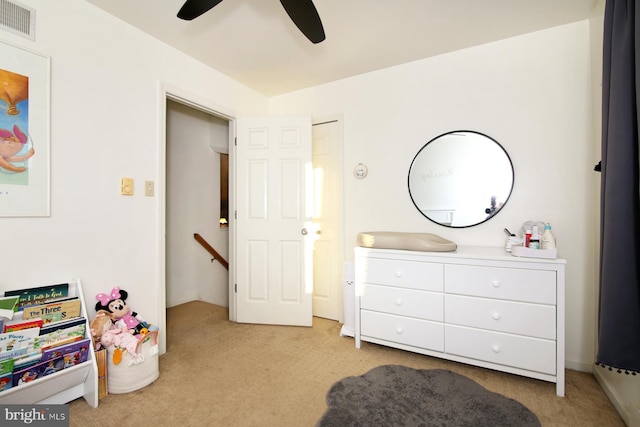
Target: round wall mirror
461	179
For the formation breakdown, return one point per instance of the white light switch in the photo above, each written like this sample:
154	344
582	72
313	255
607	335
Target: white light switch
148	188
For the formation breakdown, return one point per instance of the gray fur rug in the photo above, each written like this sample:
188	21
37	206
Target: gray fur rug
393	395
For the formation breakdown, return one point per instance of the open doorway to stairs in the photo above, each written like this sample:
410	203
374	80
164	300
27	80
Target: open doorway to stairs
195	138
196	144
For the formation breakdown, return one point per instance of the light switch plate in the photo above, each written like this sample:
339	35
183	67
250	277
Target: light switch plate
126	186
148	188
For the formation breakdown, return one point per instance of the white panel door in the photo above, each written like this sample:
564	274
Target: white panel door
274	252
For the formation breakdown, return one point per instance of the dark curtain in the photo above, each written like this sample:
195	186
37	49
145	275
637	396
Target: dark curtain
619	314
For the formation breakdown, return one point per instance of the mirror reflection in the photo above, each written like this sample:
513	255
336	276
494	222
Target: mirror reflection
460	179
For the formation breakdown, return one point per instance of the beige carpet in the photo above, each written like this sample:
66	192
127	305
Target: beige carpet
220	373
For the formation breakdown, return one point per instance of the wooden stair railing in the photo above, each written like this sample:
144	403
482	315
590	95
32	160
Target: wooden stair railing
213	252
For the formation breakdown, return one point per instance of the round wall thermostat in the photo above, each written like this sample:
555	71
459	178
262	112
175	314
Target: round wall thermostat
360	171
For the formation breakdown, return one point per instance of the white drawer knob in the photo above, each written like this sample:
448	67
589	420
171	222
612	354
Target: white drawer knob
495	284
496	316
399	301
496	349
399	329
398	273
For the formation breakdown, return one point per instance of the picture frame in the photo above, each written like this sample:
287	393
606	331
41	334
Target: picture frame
24	132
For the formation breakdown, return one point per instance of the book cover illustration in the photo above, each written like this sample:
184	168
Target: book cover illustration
13	354
29	358
6	374
53	311
65	324
61	342
6	366
36	371
72	354
61	336
18	339
33	296
8	306
6	381
18	325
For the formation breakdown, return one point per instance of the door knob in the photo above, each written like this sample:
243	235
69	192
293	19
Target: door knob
304	232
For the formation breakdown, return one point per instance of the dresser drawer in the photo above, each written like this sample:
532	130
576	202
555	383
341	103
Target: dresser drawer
537	286
534	320
533	354
405	302
407	274
403	330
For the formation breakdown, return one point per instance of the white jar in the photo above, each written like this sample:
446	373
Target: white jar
511	242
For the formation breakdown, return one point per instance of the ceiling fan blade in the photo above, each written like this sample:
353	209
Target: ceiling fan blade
191	9
304	14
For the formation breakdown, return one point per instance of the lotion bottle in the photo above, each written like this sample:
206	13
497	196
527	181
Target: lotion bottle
548	239
527	238
534	240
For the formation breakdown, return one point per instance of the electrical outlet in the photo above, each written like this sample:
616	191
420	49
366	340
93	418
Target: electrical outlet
148	188
126	186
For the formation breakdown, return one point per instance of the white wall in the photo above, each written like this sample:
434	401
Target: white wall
532	94
193	206
105	124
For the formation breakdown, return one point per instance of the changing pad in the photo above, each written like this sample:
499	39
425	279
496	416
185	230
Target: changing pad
425	242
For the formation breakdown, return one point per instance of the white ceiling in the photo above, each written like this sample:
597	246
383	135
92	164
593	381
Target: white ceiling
255	43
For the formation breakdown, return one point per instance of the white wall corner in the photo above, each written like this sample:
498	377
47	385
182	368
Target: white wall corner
627	403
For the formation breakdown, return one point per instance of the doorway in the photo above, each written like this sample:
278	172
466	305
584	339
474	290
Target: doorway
196	145
179	287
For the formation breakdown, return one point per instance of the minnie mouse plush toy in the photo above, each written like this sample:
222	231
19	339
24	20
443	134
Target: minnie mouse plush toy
116	304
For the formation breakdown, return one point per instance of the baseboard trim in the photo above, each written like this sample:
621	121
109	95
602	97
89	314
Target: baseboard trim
183	300
624	409
578	366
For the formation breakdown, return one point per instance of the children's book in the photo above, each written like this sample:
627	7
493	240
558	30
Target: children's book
34	296
53	311
101	360
12	354
77	331
6	366
61	342
39	370
6	374
31	357
65	324
6	381
8	306
19	324
73	353
18	339
61	336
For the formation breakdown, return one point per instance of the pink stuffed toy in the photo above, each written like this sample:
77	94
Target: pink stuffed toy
116	304
99	325
121	339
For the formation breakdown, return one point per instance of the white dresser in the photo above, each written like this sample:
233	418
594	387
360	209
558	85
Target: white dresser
476	305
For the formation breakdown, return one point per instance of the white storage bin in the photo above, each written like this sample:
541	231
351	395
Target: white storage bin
134	373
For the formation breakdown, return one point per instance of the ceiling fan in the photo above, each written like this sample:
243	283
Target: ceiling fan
302	12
